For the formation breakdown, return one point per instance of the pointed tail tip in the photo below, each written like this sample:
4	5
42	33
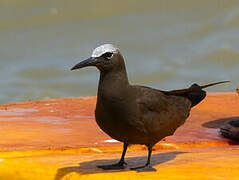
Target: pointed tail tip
213	84
194	87
220	82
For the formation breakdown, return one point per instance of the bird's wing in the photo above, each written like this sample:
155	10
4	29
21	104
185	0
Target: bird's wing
156	101
162	111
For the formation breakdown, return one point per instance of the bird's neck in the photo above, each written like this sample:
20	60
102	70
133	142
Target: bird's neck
112	78
112	83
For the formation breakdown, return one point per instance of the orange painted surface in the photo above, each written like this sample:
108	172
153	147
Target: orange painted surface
70	123
59	140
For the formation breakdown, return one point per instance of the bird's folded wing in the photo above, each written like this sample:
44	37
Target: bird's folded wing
162	111
155	101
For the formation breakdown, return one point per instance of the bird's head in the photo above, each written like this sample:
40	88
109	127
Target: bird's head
105	57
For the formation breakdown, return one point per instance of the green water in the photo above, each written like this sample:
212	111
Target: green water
167	44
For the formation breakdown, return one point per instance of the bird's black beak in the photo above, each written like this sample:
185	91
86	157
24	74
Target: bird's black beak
88	62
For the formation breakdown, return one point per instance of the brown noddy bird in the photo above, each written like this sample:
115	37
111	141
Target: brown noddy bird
136	114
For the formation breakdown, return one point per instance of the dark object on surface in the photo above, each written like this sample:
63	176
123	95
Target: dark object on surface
136	114
230	130
234	123
218	123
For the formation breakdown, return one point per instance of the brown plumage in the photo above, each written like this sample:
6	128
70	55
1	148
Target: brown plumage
136	114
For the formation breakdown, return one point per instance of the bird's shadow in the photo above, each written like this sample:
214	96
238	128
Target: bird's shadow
90	167
219	122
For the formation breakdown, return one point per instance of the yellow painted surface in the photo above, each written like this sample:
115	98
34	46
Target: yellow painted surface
195	163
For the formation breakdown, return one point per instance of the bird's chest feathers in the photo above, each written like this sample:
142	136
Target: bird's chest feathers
110	99
110	110
111	90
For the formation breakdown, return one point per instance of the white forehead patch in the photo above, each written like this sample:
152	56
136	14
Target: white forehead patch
103	49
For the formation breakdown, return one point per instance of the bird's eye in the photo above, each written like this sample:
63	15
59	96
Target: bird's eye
108	55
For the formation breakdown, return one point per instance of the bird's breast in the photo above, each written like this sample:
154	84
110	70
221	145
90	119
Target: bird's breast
113	116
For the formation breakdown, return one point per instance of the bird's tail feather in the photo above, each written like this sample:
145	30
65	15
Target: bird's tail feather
194	93
192	88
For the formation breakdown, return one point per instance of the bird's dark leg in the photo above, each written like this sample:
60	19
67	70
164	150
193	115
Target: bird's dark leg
119	165
147	166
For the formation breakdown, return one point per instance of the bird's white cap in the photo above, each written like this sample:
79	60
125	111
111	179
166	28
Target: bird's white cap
104	49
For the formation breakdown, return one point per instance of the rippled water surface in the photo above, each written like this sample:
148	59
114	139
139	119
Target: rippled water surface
167	44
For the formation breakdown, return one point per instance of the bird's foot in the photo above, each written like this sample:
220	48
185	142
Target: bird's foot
119	165
145	168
